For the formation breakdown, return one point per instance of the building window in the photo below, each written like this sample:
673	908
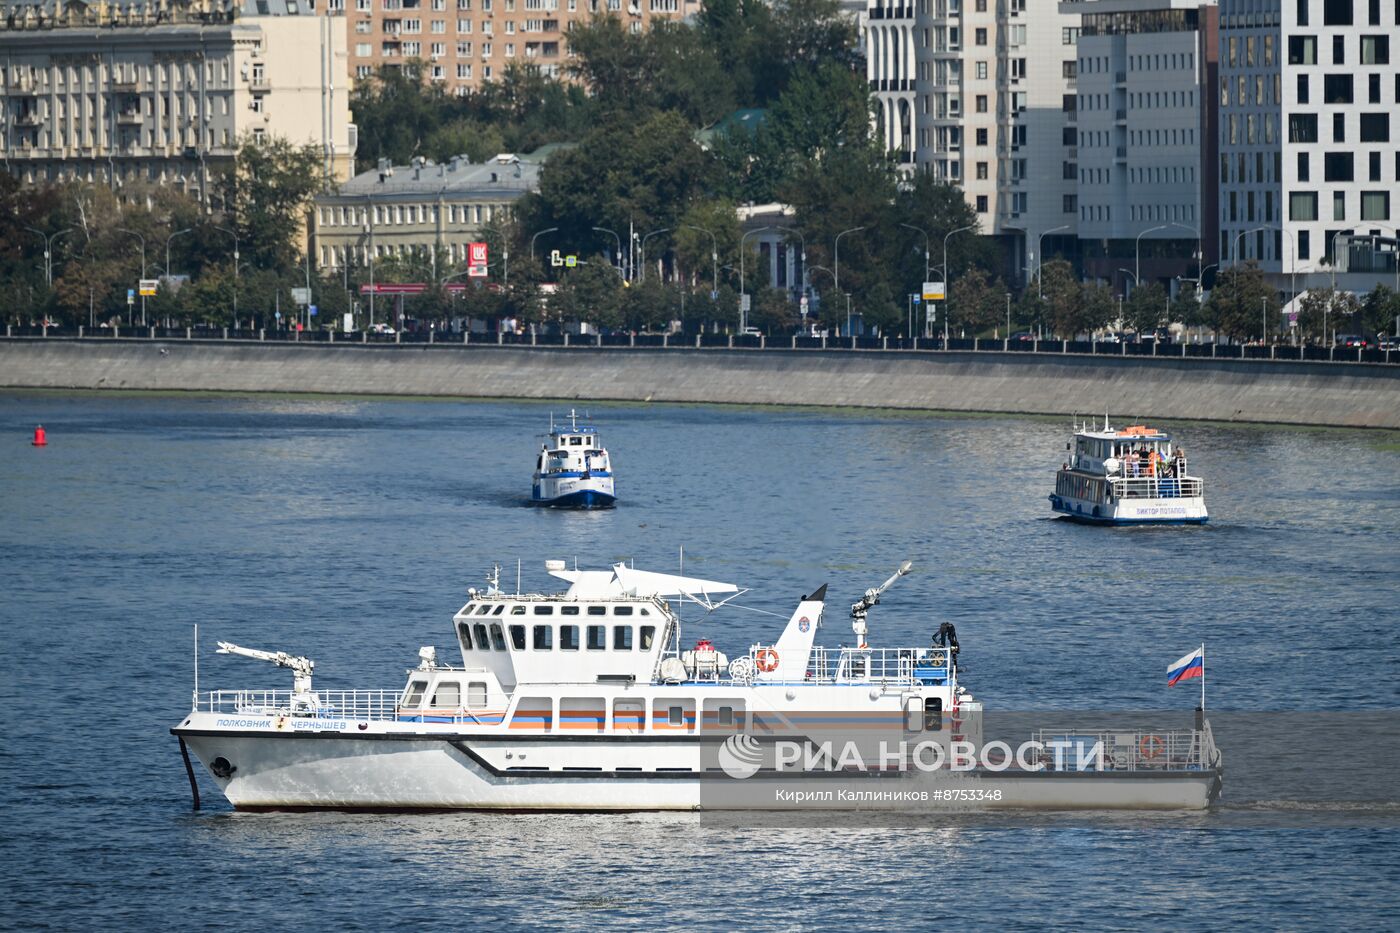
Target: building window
1339	127
1302	128
1303	168
982	170
1302	50
981	204
1337	166
981	71
1302	205
1375	205
1375	50
1336	12
1339	205
981	136
1304	244
1069	205
1336	89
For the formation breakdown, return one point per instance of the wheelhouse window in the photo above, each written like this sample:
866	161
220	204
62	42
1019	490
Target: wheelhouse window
517	610
597	637
479	632
622	638
414	694
448	695
568	610
597	610
645	611
498	638
517	637
499	609
465	631
544	637
648	636
544	610
482	609
568	638
622	610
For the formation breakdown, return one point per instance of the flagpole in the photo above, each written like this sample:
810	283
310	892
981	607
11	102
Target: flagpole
1203	677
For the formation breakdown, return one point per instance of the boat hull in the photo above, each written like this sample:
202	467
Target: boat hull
339	771
574	492
1177	511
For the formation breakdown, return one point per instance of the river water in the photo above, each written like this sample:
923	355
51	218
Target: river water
348	530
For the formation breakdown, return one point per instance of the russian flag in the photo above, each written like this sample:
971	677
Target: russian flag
1193	665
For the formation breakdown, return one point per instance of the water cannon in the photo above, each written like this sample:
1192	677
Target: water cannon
862	607
303	700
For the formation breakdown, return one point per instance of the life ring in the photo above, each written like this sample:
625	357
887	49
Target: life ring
1151	747
766	660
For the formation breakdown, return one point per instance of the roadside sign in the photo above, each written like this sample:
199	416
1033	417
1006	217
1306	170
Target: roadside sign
311	310
131	296
803	304
347	323
476	263
933	291
744	302
555	259
929	315
570	261
148	286
714	296
917	299
301	296
277	315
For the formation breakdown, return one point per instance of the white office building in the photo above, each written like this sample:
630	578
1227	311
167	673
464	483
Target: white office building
981	94
1309	133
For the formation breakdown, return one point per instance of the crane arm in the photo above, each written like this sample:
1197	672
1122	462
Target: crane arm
301	668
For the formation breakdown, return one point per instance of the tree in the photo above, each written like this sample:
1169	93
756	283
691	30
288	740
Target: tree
1380	311
266	196
1061	297
977	304
1146	309
1097	308
1237	304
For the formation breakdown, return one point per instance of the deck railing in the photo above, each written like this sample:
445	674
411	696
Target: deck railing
358	705
1157	487
864	665
1080	750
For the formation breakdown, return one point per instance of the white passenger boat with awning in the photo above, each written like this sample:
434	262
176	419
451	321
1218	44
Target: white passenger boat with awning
1129	476
591	699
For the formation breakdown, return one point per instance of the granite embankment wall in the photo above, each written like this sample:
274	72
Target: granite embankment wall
1353	395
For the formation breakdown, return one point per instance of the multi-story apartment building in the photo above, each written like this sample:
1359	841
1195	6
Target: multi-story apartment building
166	92
1146	129
429	209
982	94
463	43
1309	124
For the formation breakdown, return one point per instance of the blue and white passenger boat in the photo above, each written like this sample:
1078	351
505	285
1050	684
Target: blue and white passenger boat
1129	476
591	699
573	470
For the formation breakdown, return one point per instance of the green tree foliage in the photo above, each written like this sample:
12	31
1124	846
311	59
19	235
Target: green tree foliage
1146	309
978	303
1061	298
1323	312
1380	309
1236	307
266	197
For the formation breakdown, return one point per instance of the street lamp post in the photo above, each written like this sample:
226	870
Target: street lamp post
644	249
926	258
142	238
48	251
1137	252
619	250
1040	258
947	279
235	271
167	246
837	273
744	314
536	237
803	286
1264	318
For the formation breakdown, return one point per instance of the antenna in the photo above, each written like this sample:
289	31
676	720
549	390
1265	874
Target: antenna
517	576
681	571
196	666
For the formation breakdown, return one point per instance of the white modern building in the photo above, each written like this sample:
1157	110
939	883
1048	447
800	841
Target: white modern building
990	108
1147	138
1310	139
164	93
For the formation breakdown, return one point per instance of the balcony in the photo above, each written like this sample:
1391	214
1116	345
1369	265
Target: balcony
123	86
259	83
27	119
129	118
1120	116
1120	77
1120	154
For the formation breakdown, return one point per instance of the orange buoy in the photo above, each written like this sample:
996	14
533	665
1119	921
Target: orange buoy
40	438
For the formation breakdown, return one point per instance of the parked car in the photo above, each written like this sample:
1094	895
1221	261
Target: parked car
1389	343
1023	335
750	332
382	329
1352	340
